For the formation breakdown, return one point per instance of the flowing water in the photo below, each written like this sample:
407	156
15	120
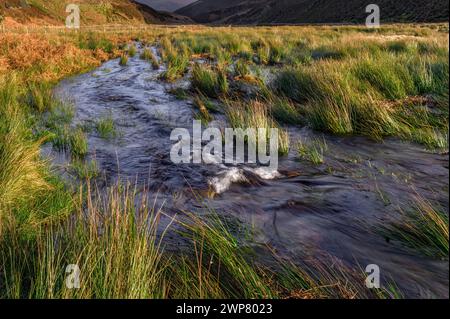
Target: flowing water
301	210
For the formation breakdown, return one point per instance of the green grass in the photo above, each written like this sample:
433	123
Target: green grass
203	105
397	46
136	265
423	228
78	143
284	111
85	170
22	173
337	82
131	267
255	115
369	96
40	96
312	151
91	41
179	93
132	50
241	69
123	60
223	57
148	55
106	127
66	138
385	78
62	114
177	65
341	80
277	52
209	81
214	247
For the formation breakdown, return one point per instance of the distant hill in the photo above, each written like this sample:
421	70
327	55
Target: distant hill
166	5
313	11
52	12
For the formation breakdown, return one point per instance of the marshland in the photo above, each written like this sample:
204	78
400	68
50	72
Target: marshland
86	177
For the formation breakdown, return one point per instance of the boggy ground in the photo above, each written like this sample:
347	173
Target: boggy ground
363	118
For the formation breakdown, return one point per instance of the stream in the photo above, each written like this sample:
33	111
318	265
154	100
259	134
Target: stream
303	210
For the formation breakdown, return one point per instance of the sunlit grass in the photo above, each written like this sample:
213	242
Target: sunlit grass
177	65
210	81
123	60
284	111
241	69
368	97
312	151
40	96
132	50
203	105
106	127
22	172
255	115
148	55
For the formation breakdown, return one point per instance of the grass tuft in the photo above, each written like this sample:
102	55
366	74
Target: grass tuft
424	228
177	65
106	127
123	60
132	50
148	55
312	151
210	82
255	115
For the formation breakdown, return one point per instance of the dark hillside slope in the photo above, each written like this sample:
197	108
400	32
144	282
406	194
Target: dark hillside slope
312	11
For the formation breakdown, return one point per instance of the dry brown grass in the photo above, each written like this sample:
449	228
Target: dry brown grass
45	58
52	12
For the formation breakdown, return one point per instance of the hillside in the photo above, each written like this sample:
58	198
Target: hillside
45	12
312	11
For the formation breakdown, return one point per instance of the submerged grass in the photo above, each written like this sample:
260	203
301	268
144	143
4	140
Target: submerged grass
148	55
85	170
106	127
65	138
423	228
255	115
312	151
123	60
131	266
241	69
132	50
